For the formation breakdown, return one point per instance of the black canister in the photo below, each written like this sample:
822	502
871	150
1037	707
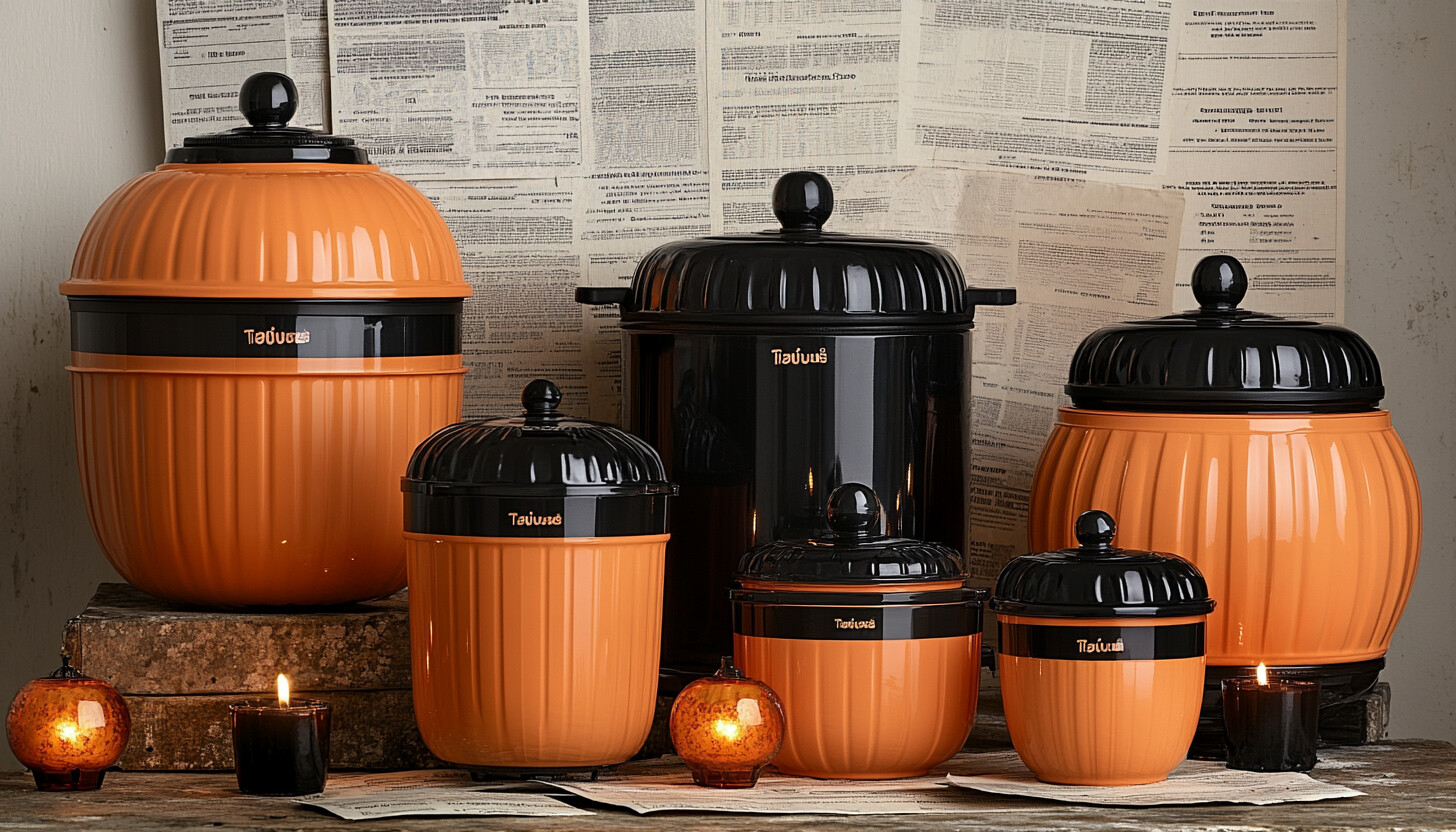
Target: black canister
770	368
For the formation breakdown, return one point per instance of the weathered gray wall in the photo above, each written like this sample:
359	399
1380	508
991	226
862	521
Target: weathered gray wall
83	115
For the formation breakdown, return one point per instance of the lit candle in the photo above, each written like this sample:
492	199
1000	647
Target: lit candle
281	748
68	729
727	727
1270	724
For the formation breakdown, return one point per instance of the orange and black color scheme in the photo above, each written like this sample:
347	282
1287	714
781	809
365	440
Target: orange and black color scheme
873	644
1101	655
262	328
535	547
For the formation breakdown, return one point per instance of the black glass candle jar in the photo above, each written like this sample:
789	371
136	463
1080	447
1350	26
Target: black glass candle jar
1271	724
281	749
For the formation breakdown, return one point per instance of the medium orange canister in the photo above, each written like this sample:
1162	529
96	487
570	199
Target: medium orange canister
872	643
262	330
1254	446
1101	656
535	547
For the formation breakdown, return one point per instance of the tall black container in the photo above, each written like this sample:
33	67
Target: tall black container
769	368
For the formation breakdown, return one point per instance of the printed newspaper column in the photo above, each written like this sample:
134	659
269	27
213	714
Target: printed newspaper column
648	152
1081	255
441	90
1063	86
798	85
517	244
1258	120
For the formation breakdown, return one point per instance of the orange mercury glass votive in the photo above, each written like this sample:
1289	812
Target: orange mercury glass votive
68	729
727	727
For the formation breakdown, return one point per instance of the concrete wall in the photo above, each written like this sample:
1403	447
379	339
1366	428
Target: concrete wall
83	115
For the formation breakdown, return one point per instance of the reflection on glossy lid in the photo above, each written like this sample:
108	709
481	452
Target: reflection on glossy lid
856	551
1098	580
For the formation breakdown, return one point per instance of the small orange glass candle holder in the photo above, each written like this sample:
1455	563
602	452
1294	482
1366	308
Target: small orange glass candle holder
727	727
68	729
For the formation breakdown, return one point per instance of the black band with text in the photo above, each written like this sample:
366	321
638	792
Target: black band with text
471	515
856	623
1100	644
265	329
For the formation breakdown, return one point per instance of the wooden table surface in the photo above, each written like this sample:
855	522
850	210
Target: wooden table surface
1409	784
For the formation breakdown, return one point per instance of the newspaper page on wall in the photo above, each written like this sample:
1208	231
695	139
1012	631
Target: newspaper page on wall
1086	153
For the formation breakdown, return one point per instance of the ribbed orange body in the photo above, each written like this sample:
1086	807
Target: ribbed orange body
1101	723
868	709
535	652
1306	527
264	488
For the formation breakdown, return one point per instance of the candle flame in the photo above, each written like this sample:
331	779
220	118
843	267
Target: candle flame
727	729
1263	673
282	691
68	731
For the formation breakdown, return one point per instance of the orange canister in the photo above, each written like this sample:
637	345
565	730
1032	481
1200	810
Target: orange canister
262	330
872	643
1101	657
535	547
1254	446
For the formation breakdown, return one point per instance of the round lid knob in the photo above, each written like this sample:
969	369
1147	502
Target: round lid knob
854	511
1219	283
803	200
1095	531
541	398
268	99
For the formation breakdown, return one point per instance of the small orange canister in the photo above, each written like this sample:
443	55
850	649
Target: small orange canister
262	329
1101	656
535	546
872	643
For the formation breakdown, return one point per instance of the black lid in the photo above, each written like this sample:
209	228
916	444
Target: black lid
540	452
268	100
799	275
1097	580
856	551
1223	359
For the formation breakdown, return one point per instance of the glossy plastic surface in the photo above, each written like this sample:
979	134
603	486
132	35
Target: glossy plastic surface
868	710
535	653
256	481
67	729
267	231
1307	528
1100	723
726	727
756	446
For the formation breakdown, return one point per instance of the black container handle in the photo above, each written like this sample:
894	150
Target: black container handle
602	295
980	297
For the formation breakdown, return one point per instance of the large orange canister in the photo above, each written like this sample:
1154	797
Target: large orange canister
1101	656
262	329
535	547
1253	446
872	643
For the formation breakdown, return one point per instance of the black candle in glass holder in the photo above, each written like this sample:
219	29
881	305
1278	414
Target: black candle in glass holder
281	748
1271	724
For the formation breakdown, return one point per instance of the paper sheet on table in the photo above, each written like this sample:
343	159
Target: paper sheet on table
445	792
1192	782
775	795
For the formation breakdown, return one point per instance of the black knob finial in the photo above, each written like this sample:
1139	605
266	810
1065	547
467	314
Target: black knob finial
1219	282
803	200
540	398
268	99
1095	530
854	511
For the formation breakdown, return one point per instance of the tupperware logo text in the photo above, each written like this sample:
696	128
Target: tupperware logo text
854	624
1099	646
532	519
271	336
798	356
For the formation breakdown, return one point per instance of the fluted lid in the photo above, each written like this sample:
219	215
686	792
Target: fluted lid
541	452
268	100
1098	580
799	275
855	552
1222	358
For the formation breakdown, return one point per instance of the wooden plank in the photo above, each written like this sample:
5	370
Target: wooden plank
145	646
